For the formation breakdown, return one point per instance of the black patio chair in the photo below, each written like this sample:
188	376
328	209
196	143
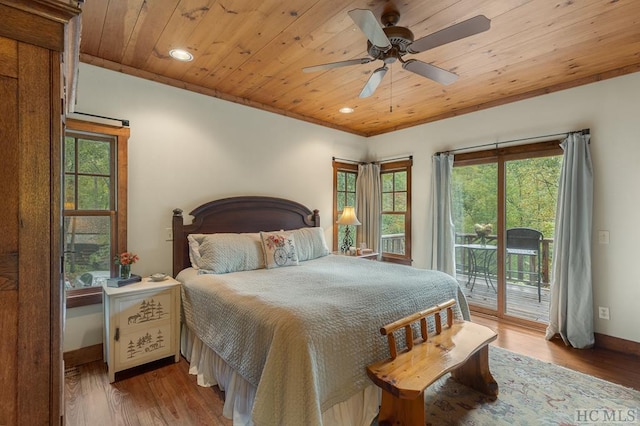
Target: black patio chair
526	242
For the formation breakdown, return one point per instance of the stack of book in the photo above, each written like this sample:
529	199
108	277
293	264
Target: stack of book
120	282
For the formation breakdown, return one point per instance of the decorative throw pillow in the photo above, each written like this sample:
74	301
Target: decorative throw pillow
279	249
310	243
223	253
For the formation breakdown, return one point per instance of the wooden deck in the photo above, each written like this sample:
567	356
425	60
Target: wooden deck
522	300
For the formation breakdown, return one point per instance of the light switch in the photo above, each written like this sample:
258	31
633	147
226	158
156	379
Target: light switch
603	237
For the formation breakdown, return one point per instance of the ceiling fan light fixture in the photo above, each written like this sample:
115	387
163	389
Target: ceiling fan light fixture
346	110
181	55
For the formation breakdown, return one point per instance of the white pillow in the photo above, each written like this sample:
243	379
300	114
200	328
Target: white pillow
222	253
310	243
279	249
194	248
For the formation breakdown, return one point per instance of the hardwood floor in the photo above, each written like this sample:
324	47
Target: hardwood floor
160	393
165	394
615	367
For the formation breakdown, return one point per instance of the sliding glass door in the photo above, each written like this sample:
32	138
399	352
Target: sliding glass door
530	207
475	217
504	215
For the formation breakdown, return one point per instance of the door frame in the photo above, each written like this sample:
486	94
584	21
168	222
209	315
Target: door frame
500	155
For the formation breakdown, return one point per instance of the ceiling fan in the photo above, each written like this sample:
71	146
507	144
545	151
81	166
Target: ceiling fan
391	43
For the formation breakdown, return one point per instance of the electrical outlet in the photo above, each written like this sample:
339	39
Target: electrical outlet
169	234
603	237
603	312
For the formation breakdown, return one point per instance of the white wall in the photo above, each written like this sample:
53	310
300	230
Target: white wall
610	109
83	327
186	149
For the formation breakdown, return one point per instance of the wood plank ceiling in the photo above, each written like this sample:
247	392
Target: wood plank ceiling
252	52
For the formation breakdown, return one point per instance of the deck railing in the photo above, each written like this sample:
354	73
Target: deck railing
393	243
522	265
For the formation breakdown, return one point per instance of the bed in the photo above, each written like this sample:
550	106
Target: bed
288	340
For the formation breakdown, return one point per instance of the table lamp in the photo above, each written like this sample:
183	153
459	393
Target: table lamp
347	218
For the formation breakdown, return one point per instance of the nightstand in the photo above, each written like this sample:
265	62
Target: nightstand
141	323
370	256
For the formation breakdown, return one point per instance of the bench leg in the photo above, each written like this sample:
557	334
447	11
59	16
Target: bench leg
401	412
475	373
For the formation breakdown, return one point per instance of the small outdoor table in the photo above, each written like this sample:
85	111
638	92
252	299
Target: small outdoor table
480	256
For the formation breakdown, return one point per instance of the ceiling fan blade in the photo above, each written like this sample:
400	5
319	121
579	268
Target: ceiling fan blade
368	24
430	71
373	82
337	64
463	29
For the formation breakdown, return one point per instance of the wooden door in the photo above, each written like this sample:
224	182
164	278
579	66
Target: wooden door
31	42
9	194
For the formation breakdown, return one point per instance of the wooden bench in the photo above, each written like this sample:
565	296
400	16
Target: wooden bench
460	348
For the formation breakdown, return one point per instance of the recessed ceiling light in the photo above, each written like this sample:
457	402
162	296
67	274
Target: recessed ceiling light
181	55
346	110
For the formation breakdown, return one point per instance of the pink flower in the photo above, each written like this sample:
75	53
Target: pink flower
275	241
126	258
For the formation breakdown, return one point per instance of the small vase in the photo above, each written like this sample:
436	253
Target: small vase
483	240
125	271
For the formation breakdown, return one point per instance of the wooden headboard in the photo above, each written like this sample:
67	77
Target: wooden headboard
238	214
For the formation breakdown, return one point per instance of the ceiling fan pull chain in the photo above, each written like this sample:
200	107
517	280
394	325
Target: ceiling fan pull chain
391	88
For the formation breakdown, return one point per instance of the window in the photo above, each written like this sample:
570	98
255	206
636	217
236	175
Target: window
396	211
94	210
344	184
395	178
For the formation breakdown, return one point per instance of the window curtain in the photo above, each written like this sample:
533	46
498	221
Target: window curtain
369	205
571	305
443	234
442	229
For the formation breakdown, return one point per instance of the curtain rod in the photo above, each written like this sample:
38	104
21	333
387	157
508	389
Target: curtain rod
583	131
124	123
346	160
388	160
409	157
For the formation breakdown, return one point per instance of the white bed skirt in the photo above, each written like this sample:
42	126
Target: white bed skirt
211	370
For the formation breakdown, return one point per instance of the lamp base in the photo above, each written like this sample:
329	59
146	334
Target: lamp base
347	241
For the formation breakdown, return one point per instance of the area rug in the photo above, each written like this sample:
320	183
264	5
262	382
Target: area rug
532	392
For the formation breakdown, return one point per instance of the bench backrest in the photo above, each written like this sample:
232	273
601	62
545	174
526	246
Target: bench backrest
421	316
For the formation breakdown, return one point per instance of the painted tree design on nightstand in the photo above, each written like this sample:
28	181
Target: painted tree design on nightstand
159	310
144	340
149	310
131	349
144	311
145	344
160	339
